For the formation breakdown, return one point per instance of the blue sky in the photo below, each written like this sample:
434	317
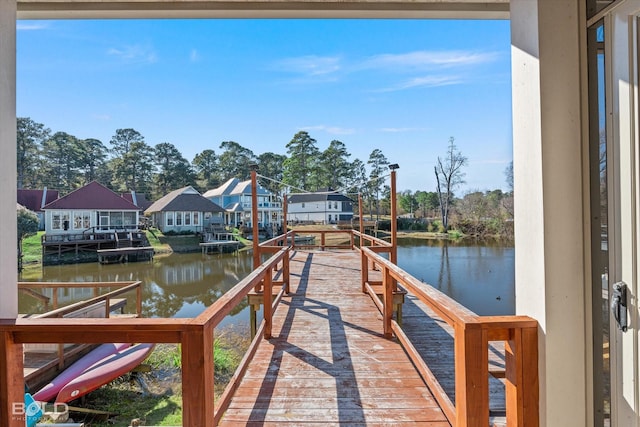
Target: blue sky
402	86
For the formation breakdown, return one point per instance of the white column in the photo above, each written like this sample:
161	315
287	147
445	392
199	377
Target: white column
8	226
550	174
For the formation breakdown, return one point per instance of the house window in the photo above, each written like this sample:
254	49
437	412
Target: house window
169	219
196	218
56	220
303	205
104	220
187	218
178	218
335	205
81	220
129	218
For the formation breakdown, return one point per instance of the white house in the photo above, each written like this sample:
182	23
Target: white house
235	197
92	208
327	207
575	90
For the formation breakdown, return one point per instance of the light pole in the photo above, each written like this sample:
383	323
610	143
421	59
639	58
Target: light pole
394	213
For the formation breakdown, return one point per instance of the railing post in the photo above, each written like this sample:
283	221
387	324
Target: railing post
11	381
266	306
197	376
364	266
521	386
472	375
139	299
322	241
285	272
387	299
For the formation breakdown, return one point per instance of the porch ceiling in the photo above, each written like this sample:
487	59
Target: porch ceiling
66	9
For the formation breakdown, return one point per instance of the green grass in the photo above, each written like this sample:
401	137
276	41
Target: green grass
32	248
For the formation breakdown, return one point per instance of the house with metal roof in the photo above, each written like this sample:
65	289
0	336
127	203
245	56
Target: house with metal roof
235	197
184	210
325	207
35	200
91	208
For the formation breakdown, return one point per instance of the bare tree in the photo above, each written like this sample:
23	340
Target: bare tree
449	175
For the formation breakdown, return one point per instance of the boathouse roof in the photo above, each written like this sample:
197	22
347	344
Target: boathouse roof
92	196
183	199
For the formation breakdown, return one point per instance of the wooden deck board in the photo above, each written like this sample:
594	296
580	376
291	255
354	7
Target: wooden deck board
328	362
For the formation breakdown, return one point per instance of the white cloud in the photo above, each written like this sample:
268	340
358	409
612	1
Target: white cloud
421	60
102	117
332	130
425	81
136	54
31	26
310	65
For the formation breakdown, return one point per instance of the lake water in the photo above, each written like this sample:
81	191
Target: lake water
481	277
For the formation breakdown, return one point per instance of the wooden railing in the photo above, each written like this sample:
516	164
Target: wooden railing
195	336
101	305
122	288
471	334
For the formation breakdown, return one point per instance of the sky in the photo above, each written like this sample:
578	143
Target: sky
402	86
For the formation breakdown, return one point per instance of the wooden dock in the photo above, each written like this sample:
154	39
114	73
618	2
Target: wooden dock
219	246
330	351
328	362
139	253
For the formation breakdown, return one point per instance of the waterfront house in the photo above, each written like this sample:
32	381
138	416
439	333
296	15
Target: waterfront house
90	209
575	132
184	210
235	197
325	207
35	200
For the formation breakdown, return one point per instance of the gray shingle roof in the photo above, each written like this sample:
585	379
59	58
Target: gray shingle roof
183	199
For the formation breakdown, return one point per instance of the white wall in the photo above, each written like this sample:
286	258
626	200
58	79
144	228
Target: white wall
8	194
547	38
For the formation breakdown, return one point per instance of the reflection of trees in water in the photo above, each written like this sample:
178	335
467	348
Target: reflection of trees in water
445	284
168	283
196	279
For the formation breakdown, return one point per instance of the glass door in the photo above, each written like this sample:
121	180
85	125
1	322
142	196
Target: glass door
598	155
613	64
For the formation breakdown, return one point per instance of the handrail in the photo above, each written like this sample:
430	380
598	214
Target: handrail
195	336
124	287
472	334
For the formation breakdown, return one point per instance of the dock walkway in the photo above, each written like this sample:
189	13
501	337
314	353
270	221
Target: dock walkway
328	362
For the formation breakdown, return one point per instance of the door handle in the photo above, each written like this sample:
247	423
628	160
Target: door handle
619	305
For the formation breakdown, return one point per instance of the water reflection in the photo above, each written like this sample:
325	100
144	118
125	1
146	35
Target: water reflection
177	285
481	277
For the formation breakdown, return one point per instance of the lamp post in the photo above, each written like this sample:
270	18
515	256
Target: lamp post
394	213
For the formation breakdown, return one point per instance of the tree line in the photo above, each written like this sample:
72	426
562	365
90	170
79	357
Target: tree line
128	163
